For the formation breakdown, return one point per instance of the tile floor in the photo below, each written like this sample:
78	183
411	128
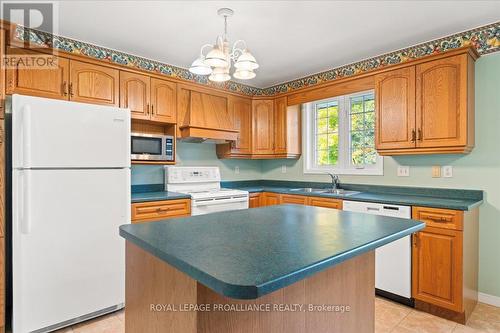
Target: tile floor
389	317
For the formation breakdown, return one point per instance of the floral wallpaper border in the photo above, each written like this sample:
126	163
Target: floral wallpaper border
485	39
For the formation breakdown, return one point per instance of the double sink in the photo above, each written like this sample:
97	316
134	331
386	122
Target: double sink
338	191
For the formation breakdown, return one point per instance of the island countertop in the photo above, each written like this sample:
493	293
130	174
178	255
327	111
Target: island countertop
246	254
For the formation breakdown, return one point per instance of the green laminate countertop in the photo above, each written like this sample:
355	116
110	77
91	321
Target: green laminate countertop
246	254
396	195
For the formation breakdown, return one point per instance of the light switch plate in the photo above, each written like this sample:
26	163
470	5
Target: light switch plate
436	171
403	171
283	168
447	171
237	170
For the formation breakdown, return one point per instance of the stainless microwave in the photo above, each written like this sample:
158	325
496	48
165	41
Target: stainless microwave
152	147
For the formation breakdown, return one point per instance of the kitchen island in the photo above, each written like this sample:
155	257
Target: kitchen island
284	268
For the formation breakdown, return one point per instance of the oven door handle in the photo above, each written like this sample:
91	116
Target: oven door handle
215	201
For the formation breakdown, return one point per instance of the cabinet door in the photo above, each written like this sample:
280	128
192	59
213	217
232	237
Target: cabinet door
280	124
163	101
48	81
395	109
441	101
263	129
270	199
293	199
242	113
437	267
254	200
324	202
93	83
2	178
135	94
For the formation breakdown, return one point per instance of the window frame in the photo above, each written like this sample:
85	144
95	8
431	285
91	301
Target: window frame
344	164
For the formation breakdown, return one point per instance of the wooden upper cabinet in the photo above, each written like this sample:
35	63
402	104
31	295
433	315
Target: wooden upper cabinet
441	108
241	110
263	126
135	94
437	267
395	109
427	108
49	81
242	113
91	83
280	128
163	101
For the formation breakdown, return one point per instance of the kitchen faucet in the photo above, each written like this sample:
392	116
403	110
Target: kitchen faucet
335	181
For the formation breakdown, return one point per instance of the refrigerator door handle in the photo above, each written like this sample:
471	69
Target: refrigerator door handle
24	203
26	136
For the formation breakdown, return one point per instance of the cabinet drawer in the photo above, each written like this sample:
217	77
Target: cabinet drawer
439	218
293	199
324	202
157	210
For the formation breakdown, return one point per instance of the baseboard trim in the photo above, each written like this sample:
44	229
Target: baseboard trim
489	299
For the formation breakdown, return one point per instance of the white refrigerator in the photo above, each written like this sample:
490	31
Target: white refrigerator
70	193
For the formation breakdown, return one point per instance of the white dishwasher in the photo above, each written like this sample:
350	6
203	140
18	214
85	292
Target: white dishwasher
392	261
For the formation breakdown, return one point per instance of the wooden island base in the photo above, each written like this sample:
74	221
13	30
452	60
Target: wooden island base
152	283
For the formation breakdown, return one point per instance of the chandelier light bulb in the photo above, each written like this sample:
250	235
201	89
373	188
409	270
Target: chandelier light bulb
246	61
243	74
216	58
199	67
220	74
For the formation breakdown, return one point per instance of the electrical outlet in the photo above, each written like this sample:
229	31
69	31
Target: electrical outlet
283	168
436	171
237	170
403	171
447	171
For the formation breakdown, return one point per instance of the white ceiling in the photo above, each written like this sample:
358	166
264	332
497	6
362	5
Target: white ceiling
290	39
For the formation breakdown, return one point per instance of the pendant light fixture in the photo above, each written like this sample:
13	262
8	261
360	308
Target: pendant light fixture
217	62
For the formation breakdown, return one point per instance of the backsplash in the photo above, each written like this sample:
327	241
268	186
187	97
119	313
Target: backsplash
203	154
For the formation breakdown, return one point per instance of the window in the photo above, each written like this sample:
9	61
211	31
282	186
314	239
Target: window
340	137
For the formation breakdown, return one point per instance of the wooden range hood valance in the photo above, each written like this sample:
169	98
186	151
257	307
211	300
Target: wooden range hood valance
204	116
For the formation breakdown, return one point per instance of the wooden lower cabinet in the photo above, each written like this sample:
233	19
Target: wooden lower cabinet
293	199
444	262
159	210
270	199
254	200
324	202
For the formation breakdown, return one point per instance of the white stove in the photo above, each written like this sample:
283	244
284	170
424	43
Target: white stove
203	185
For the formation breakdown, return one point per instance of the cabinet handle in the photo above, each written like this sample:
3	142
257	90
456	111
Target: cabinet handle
438	218
161	210
413	135
71	89
1	135
151	109
419	134
147	108
65	88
